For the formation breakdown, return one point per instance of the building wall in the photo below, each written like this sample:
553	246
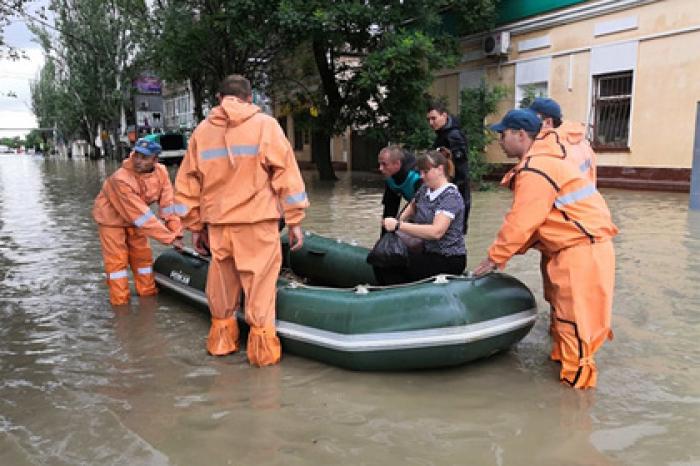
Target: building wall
664	34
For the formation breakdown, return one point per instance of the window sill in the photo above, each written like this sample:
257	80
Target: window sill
623	150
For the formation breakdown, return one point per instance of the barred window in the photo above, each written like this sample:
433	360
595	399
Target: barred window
611	110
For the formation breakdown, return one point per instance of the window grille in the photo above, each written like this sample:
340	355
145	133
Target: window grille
612	101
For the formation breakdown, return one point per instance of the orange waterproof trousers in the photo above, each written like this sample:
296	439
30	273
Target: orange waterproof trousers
123	247
547	288
245	257
582	278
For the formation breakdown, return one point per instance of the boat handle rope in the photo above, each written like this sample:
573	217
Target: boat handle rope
367	288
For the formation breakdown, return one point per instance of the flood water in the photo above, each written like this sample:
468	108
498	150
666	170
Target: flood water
83	383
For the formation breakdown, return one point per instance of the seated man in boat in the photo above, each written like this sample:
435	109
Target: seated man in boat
559	207
125	220
402	178
435	215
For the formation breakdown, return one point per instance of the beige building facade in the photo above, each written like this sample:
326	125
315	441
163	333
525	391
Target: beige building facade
629	69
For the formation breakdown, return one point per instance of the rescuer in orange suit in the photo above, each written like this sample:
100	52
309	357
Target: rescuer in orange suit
571	135
238	172
560	210
125	220
577	151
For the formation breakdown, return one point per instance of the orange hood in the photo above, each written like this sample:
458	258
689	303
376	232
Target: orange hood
232	112
572	131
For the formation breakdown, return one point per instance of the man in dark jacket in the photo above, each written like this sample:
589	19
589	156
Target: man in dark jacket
449	135
402	178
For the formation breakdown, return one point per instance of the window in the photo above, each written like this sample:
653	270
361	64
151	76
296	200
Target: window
612	99
525	94
298	137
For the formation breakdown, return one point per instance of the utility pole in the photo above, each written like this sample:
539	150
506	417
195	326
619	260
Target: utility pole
694	202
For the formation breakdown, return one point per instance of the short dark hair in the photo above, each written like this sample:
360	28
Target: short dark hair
438	105
556	122
235	85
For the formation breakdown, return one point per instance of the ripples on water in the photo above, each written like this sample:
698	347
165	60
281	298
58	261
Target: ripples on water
83	383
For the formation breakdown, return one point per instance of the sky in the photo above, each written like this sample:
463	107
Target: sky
15	76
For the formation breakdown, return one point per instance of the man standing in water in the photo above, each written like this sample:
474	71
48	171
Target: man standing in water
238	173
561	210
449	135
125	220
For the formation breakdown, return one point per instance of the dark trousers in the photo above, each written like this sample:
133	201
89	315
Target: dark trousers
421	266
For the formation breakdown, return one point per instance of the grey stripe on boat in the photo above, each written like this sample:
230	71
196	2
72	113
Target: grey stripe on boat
444	336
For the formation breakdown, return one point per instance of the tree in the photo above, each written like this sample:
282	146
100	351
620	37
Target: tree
93	57
476	105
203	41
10	10
374	61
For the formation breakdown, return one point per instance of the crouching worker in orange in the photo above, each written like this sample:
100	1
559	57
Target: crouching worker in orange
238	170
557	207
125	220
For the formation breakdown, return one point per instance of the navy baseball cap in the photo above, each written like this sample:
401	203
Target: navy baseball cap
547	107
519	118
148	148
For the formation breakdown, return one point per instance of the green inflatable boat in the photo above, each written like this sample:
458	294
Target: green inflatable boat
335	313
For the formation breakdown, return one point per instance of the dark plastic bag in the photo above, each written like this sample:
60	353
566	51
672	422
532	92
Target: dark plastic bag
389	251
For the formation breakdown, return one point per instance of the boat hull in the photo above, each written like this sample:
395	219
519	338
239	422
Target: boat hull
439	322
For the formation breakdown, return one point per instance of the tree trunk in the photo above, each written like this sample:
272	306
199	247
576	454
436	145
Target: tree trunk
197	97
321	155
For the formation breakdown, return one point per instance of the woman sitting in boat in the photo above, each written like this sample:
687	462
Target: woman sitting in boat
435	215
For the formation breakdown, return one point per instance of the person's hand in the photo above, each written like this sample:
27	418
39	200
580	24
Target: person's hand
390	223
296	237
486	266
200	241
178	244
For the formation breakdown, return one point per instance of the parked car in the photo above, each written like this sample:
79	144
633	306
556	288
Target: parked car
173	144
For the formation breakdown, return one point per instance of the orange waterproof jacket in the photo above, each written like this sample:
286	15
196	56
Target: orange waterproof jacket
239	168
571	135
553	205
125	198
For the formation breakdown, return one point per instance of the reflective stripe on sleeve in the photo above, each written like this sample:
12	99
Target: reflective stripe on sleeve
116	275
143	219
145	270
177	209
585	166
575	196
296	198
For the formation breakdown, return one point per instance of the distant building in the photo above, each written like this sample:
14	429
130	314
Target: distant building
148	103
629	69
178	107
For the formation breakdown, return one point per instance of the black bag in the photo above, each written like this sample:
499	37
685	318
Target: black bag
389	251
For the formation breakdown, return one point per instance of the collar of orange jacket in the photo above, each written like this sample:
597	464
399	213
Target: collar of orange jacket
546	144
232	112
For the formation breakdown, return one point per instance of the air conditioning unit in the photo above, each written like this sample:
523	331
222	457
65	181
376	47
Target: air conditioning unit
496	44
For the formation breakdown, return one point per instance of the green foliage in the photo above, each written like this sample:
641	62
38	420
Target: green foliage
92	56
203	41
476	105
530	92
374	61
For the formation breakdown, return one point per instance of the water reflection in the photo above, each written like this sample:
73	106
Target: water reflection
84	383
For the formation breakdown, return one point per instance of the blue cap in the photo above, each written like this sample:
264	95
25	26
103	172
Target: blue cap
148	148
519	118
547	107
